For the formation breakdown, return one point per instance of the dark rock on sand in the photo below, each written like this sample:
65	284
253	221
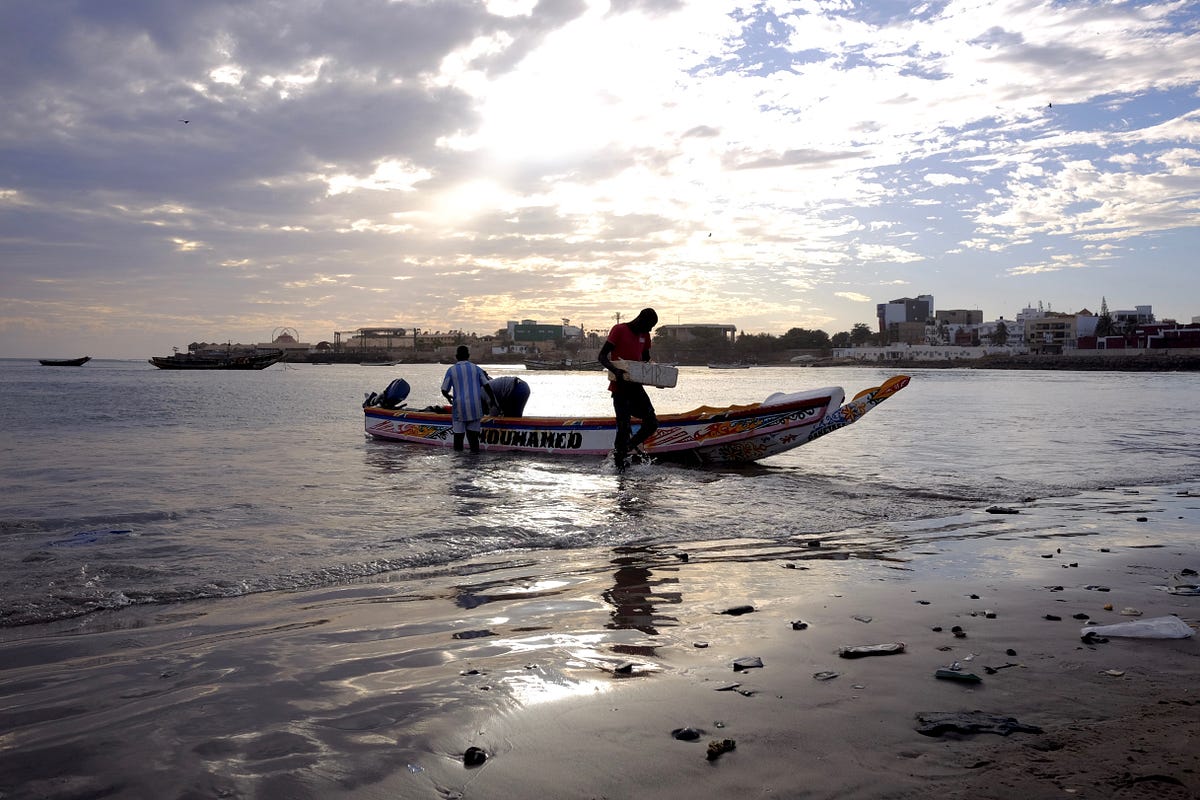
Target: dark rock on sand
474	757
936	723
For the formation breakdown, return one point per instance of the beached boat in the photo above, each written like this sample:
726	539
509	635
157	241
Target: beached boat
706	435
64	362
734	365
219	360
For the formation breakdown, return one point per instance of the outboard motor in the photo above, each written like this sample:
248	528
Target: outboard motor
390	398
394	395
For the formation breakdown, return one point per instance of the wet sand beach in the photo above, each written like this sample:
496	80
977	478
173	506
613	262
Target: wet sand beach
569	671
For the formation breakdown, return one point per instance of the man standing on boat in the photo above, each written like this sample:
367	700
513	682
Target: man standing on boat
630	341
466	387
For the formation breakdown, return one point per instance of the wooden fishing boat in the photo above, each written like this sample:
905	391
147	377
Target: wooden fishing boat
219	360
587	365
729	435
64	362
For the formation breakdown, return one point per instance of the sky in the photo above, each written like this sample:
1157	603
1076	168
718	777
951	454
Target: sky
199	170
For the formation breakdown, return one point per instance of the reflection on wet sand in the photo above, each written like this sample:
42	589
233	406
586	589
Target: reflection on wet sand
635	594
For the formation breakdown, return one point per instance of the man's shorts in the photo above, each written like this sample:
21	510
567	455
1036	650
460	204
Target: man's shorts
457	426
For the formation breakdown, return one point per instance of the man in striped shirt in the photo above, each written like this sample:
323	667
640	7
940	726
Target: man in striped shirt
466	386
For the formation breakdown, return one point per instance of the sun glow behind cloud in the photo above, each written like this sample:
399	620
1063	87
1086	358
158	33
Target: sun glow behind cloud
767	163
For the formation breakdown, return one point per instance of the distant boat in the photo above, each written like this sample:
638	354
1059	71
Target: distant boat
716	365
64	362
380	363
566	364
219	360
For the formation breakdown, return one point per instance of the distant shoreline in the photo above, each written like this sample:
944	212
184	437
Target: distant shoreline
1133	363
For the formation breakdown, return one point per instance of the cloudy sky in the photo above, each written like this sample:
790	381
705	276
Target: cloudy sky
181	170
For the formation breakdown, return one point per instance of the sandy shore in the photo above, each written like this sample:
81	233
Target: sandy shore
570	671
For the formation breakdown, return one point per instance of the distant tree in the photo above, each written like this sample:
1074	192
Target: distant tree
755	346
860	334
840	339
943	333
1000	335
1104	323
803	339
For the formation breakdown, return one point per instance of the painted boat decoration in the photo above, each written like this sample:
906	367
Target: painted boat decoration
219	360
737	434
64	362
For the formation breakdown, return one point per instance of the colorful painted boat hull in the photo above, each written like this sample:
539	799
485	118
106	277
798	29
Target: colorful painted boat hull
731	435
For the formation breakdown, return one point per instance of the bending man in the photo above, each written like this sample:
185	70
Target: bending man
630	341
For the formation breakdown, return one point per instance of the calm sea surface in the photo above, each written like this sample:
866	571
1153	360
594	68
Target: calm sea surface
125	484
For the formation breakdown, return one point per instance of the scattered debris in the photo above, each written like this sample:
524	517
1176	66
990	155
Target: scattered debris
1094	588
827	675
472	634
1010	652
717	747
624	668
862	618
935	723
799	625
687	734
859	651
700	645
1114	673
1052	617
952	674
1186	589
994	670
1080	616
1155	628
1001	510
737	611
746	662
1130	612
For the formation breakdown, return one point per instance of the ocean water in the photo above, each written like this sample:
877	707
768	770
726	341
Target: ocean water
123	484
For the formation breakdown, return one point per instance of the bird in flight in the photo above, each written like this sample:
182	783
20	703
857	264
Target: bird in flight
185	121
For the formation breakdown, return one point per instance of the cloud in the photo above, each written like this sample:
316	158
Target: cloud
468	163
